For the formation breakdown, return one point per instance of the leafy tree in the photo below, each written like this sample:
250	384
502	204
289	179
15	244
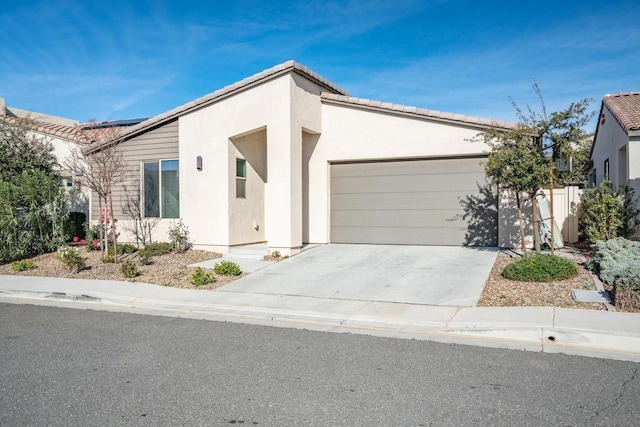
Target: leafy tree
21	149
516	163
523	159
572	169
33	205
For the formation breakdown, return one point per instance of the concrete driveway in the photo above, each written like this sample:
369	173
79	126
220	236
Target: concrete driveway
431	275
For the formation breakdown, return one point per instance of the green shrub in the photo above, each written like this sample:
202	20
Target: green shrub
71	258
276	254
129	269
156	249
123	248
33	211
540	268
605	214
22	265
126	248
200	277
108	259
617	261
145	260
227	268
179	236
92	236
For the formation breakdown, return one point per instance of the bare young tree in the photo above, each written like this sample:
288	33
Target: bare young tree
100	167
141	226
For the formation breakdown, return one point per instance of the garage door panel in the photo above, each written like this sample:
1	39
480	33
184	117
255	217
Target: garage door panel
398	200
407	183
412	202
436	166
399	218
401	236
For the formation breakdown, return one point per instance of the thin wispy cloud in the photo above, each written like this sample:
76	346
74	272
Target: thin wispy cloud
93	60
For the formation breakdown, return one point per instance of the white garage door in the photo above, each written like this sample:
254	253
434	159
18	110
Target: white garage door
418	202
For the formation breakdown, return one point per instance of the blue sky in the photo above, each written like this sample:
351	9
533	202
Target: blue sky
104	60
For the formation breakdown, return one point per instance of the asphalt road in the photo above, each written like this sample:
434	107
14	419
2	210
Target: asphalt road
65	367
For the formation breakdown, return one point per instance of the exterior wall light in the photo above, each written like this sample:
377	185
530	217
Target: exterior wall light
199	163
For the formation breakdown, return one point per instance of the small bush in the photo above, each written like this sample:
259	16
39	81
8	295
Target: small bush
227	268
179	236
276	254
123	248
93	245
22	265
540	268
200	277
617	261
129	269
108	259
71	258
145	260
156	249
126	248
605	213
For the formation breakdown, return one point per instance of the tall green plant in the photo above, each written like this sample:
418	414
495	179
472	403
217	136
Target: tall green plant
33	211
600	216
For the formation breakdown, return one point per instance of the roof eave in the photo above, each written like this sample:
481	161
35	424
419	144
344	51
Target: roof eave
415	112
224	93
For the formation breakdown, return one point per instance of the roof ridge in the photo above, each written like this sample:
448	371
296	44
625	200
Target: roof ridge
417	111
233	88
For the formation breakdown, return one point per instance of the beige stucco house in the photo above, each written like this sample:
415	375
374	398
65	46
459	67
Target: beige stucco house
615	155
287	158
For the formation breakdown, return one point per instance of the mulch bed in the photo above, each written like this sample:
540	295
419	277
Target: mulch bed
503	292
166	270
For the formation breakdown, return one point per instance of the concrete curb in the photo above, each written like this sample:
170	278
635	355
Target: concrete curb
590	333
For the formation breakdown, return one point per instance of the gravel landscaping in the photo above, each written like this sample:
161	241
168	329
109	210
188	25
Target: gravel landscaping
166	270
503	292
172	270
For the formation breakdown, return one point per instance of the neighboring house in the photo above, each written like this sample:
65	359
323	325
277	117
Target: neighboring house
615	155
287	158
64	134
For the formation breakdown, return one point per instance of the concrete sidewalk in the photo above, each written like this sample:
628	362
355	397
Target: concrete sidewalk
547	329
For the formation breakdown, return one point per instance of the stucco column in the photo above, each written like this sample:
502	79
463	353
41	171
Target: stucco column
283	193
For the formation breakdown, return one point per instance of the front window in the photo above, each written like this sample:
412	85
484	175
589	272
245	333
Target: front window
241	178
161	189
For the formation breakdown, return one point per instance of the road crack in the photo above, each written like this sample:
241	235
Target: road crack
619	395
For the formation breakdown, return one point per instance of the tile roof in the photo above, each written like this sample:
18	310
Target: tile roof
417	112
85	133
625	107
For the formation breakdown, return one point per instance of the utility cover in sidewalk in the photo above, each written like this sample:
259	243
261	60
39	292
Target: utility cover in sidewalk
582	295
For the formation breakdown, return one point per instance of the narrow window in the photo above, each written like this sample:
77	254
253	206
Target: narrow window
170	185
241	178
606	170
151	190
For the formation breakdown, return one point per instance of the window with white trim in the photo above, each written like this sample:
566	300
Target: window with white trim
161	189
241	178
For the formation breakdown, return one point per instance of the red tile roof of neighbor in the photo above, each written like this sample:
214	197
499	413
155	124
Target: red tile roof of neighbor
625	107
85	133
